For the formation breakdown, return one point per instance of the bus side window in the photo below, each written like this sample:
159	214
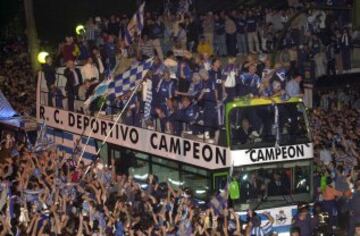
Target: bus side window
220	181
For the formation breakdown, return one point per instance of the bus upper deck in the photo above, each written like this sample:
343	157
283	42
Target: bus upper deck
261	142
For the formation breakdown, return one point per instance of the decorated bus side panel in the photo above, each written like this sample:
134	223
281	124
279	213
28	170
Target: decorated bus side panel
282	218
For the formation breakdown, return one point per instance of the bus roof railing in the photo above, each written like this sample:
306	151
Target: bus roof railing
258	101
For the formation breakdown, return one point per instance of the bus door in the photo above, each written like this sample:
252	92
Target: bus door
219	180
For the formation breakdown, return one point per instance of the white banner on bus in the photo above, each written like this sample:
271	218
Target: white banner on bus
272	154
168	146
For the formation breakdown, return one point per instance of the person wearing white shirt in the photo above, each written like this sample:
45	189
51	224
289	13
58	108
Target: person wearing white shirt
325	156
98	62
89	71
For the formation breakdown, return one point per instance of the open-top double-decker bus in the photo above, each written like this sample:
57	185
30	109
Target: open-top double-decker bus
265	144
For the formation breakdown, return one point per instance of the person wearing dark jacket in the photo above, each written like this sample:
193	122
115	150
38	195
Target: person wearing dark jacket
73	81
303	221
354	209
49	74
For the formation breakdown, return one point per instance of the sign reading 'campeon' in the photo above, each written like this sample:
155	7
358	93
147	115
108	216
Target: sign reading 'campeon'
152	142
272	154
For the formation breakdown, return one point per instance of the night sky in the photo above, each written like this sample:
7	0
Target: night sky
55	19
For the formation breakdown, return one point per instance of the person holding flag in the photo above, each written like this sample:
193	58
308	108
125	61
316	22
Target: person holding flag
135	26
130	80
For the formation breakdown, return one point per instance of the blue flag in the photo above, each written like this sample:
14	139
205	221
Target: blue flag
135	25
128	80
42	142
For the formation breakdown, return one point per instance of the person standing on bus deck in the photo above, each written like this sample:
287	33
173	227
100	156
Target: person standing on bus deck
208	98
165	113
110	52
165	90
195	87
249	82
73	81
187	114
229	74
132	116
215	75
49	73
184	75
292	87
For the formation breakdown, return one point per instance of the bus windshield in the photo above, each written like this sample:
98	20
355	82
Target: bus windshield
266	125
273	185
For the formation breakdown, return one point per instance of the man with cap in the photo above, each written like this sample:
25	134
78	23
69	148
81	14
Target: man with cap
208	98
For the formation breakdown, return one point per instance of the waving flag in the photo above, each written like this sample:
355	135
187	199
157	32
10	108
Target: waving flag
122	83
135	25
6	111
100	90
42	142
127	81
148	99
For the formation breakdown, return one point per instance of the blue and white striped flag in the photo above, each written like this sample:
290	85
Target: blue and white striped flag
148	99
135	25
127	81
100	90
122	83
6	109
42	142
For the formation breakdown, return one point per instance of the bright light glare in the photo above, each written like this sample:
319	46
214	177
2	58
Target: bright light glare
283	234
178	183
245	177
142	177
41	57
200	191
80	29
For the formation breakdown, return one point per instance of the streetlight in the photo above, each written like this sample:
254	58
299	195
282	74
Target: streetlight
80	29
41	57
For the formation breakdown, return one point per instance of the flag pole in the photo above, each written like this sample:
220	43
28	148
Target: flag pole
116	121
88	136
119	116
96	117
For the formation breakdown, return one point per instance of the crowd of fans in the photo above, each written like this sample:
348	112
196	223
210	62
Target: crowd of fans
201	62
16	75
46	193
